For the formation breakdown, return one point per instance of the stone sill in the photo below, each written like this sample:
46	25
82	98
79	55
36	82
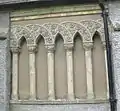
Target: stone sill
59	102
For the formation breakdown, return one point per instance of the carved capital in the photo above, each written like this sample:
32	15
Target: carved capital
88	45
32	49
15	49
50	48
68	46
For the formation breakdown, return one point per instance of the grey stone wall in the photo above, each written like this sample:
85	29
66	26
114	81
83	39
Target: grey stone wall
3	75
4	61
114	14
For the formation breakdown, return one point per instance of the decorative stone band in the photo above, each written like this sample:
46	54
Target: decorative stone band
69	58
49	31
51	83
52	12
89	72
32	71
15	54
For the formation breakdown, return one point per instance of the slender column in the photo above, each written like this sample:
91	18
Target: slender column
15	54
69	58
32	72
106	69
50	59
89	72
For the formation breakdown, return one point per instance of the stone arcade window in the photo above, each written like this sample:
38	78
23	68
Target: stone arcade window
65	61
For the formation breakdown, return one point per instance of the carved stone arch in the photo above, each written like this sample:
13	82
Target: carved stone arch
38	38
74	27
92	25
77	33
37	31
17	33
101	33
58	35
21	40
56	29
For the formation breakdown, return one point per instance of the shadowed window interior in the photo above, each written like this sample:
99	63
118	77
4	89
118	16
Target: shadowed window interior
99	76
41	70
79	68
24	82
60	69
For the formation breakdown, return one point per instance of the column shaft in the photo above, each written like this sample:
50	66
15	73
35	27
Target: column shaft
69	58
50	59
89	72
32	73
15	53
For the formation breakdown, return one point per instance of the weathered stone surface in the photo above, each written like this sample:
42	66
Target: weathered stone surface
4	62
4	25
114	9
4	89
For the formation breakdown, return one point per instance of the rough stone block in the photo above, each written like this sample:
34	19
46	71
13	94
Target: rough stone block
4	25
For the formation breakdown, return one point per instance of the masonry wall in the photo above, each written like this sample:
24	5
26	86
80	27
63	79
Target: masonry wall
4	61
114	15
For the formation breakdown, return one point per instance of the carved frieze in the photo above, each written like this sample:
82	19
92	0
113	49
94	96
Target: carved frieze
49	31
56	29
92	25
37	31
73	28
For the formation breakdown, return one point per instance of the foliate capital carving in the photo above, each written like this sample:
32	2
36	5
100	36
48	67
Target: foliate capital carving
15	49
69	46
50	48
32	49
88	45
